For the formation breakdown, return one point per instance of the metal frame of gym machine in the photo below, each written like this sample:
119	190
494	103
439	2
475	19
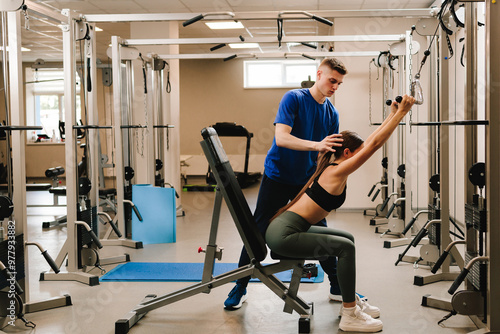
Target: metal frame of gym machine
492	163
444	157
71	25
492	253
395	147
16	102
92	129
379	213
123	144
492	166
432	160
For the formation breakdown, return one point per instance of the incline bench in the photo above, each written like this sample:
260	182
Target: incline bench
229	189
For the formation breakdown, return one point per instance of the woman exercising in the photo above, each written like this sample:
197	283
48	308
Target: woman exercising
291	234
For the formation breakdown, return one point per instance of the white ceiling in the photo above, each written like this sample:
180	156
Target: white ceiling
45	39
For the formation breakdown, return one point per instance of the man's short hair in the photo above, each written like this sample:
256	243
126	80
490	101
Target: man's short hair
334	64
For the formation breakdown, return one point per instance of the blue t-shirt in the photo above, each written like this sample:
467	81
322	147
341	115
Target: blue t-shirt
310	121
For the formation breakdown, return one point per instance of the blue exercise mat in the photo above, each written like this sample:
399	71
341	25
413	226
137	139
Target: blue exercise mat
157	208
181	272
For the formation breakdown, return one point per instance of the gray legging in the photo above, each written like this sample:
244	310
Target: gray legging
291	235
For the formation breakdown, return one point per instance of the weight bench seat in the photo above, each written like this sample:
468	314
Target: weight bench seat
59	191
103	193
229	190
107	192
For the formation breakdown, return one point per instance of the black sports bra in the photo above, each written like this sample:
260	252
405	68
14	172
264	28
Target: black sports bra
323	198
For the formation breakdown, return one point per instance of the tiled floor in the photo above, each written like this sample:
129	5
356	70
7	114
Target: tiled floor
95	309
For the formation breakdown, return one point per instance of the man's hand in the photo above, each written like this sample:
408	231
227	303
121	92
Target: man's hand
327	144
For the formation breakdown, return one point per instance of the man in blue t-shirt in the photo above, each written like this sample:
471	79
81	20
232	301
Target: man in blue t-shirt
307	123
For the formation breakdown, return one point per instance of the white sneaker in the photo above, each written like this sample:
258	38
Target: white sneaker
371	310
354	320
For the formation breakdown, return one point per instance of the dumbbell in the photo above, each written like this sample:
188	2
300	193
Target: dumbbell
398	99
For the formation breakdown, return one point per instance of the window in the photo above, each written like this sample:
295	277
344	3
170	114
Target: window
45	100
278	73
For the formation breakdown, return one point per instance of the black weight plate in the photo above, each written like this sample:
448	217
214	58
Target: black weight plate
477	174
129	173
435	183
385	163
6	207
158	164
84	186
402	171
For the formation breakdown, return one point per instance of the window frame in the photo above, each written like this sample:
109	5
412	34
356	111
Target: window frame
284	65
31	101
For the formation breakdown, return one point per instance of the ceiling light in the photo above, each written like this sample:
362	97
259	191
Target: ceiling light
243	45
225	25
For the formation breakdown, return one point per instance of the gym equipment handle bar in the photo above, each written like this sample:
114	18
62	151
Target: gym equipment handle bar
443	256
137	213
170	126
132	126
384	204
111	223
372	189
92	127
378	191
394	204
19	127
92	234
377	124
312	16
464	122
413	220
46	255
463	274
423	232
202	16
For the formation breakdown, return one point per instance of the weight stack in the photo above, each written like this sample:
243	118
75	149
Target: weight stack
17	255
434	229
477	274
90	217
128	211
475	217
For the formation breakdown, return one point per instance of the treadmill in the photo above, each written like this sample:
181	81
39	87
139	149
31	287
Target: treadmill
231	129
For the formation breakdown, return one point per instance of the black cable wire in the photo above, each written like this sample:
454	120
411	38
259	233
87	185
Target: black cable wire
428	51
440	17
168	86
280	31
454	14
144	74
82	80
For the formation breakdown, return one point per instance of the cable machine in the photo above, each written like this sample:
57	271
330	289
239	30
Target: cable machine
82	243
15	298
